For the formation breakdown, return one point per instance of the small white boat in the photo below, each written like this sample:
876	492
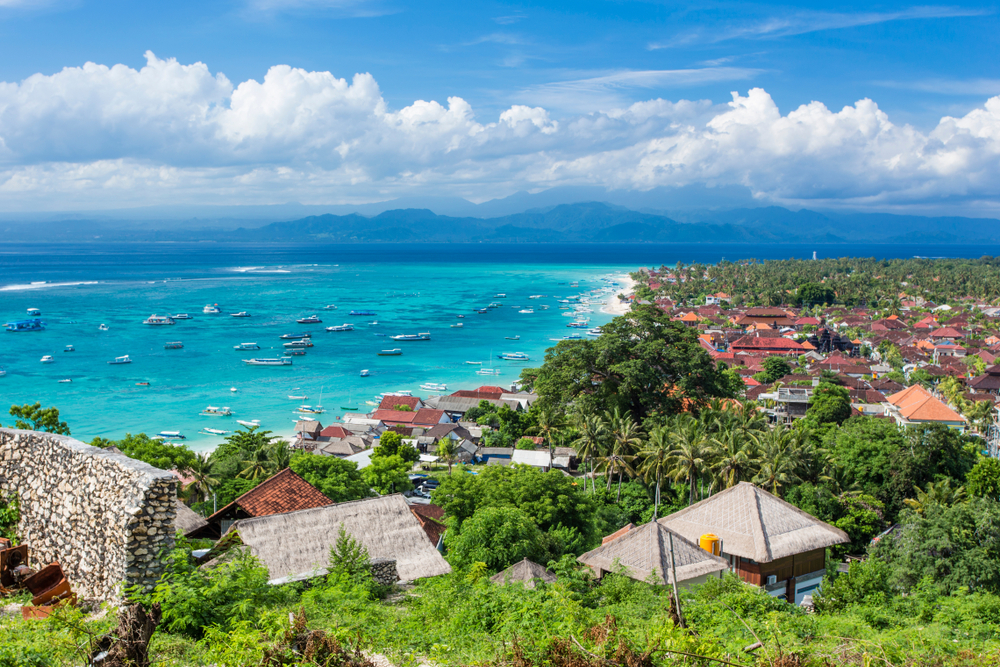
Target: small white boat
214	431
211	309
341	327
170	435
281	361
488	371
302	342
212	411
47	359
434	386
66	380
411	337
594	332
69	348
175	345
312	319
158	320
512	337
365	373
527	311
34	312
246	346
248	424
475	363
298	398
395	352
121	360
103	327
500	296
536	296
330	307
233	389
311	409
242	313
456	326
373	324
2	372
181	316
514	356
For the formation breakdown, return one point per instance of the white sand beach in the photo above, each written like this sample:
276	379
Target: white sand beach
613	306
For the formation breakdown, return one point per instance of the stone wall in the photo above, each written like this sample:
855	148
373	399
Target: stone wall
105	517
384	571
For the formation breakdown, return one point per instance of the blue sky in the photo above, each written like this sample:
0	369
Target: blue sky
623	95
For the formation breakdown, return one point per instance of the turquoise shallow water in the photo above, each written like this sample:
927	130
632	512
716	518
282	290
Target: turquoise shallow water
408	297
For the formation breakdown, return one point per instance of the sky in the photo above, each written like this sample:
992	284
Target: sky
854	105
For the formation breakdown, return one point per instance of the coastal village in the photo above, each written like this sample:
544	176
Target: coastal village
927	364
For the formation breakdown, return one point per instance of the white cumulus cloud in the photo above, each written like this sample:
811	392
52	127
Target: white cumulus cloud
98	136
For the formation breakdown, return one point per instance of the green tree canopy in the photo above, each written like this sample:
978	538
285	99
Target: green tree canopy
156	453
644	364
33	417
391	443
496	536
812	294
775	368
388	474
337	479
828	404
984	479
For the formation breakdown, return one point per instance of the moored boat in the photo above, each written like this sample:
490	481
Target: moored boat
295	336
104	327
411	337
175	345
341	327
246	346
475	363
69	348
362	312
268	362
66	380
125	359
365	373
211	309
158	320
181	316
249	424
19	326
170	435
390	353
242	313
34	312
514	356
47	359
212	411
214	431
512	337
312	319
488	371
302	342
295	352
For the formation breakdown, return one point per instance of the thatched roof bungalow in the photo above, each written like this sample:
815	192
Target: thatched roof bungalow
186	519
526	571
644	552
768	542
296	545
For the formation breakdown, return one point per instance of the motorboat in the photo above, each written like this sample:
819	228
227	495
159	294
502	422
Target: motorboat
488	371
475	363
295	336
365	373
213	431
121	360
242	313
158	320
312	319
302	342
527	311
311	409
512	337
295	352
212	411
401	392
371	403
514	356
181	316
500	296
390	353
234	389
142	384
461	317
66	380
2	372
211	309
341	327
579	325
411	337
69	348
330	307
170	435
536	296
47	359
363	313
246	346
19	326
495	305
175	345
574	336
268	362
456	326
104	327
297	398
434	386
481	311
373	324
596	331
249	424
34	312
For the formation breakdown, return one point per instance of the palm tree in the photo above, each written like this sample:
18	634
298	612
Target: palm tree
687	458
734	457
281	455
202	479
447	450
626	437
593	433
550	424
655	456
778	460
259	463
936	493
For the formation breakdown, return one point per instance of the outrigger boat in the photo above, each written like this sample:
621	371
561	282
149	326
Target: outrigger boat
411	337
212	411
390	353
341	327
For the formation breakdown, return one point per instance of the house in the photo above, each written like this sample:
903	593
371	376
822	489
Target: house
393	402
645	553
501	455
916	405
294	546
458	406
766	345
526	572
278	494
538	458
946	333
486	391
186	520
776	317
790	403
717	299
766	541
431	518
988	382
943	350
306	432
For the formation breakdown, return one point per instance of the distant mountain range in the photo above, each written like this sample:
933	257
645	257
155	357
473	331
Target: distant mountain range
584	222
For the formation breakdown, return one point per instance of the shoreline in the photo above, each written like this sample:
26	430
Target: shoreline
613	306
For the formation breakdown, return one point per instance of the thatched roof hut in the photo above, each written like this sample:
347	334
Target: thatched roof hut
754	524
525	571
187	519
644	552
297	545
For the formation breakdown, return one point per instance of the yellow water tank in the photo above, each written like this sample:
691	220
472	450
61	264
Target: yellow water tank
711	543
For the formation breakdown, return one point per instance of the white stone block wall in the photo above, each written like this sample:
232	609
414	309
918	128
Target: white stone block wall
106	518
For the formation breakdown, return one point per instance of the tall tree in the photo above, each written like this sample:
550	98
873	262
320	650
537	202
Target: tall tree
687	458
626	437
202	475
656	459
33	417
592	434
734	457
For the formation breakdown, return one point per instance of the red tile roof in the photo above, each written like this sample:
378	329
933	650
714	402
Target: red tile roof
492	393
280	493
334	432
427	416
394	416
947	332
390	402
431	520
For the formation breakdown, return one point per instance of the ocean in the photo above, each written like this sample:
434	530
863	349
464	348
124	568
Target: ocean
411	287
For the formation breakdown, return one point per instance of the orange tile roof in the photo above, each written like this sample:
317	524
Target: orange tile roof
400	416
689	317
917	404
280	493
390	402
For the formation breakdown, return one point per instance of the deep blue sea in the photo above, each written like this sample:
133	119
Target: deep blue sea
411	287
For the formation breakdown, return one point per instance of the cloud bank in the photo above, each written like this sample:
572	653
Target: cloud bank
97	136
